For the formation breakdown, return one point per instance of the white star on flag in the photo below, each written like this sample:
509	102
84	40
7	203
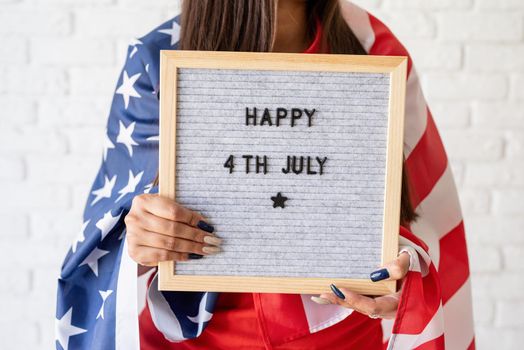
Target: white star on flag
104	294
107	146
80	238
148	188
154	138
202	316
174	31
105	191
64	329
131	185
134	43
147	68
127	89
92	259
107	223
125	136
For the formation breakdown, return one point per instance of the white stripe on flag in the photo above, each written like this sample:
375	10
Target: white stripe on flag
320	317
163	317
416	113
433	330
126	323
438	214
459	319
358	19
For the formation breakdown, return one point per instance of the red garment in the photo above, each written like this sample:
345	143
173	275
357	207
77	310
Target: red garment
239	321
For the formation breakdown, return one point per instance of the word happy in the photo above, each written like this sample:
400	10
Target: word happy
264	117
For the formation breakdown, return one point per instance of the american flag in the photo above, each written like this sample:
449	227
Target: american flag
100	296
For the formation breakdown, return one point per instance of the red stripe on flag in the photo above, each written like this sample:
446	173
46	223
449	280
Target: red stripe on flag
472	345
419	300
426	163
453	266
386	43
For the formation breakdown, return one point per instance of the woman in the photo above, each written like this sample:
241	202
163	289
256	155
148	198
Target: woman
158	229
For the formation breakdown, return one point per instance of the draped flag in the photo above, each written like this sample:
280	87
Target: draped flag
99	294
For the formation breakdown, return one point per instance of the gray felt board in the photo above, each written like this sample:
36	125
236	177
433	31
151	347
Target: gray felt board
331	224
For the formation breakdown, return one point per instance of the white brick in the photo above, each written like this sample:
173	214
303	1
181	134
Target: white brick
489	338
451	115
17	336
411	24
495	58
98	81
13	168
483	311
469	145
484	259
496	27
42	255
61	170
30	80
116	22
428	55
512	255
515	147
368	4
74	111
475	201
517	87
31	139
30	22
13	50
500	4
492	230
429	4
59	227
16	110
72	51
14	226
509	314
15	282
499	115
508	201
498	286
494	174
86	141
30	196
463	87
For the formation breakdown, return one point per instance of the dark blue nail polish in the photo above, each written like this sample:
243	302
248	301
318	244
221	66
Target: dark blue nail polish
194	256
205	226
337	292
379	275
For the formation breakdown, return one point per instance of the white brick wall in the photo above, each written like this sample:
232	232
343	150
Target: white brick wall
59	61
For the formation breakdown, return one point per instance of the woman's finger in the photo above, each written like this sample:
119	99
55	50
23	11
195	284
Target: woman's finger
148	256
167	209
175	244
150	222
381	307
394	270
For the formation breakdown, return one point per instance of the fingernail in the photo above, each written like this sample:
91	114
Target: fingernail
321	301
337	292
205	226
379	275
194	256
211	250
212	240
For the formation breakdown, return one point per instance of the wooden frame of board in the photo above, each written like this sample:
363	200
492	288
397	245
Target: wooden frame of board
171	60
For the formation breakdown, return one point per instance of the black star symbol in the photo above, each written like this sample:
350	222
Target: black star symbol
279	200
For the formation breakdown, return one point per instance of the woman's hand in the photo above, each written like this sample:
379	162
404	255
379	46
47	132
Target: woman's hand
159	229
380	307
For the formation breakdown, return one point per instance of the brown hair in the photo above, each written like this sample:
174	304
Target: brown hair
249	25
